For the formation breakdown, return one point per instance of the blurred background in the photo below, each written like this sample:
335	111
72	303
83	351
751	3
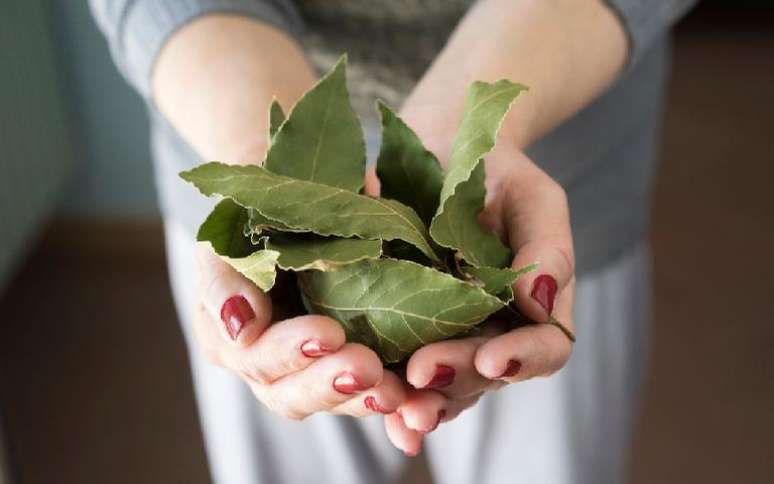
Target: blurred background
94	383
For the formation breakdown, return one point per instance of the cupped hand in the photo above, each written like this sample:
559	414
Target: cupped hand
296	366
529	211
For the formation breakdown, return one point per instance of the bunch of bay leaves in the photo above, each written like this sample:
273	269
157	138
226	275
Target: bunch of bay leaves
398	272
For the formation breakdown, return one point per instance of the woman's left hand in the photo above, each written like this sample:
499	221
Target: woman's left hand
529	210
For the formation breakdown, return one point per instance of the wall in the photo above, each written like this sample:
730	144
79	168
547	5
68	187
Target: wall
37	155
113	171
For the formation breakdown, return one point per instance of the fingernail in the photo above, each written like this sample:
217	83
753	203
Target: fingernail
443	377
236	311
371	404
544	291
511	369
441	415
347	383
313	348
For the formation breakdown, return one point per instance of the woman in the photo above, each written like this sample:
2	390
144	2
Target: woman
585	133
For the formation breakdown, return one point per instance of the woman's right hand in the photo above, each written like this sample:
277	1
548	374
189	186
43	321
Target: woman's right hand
295	367
214	81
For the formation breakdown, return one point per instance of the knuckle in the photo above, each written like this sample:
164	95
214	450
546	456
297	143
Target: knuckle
212	284
557	350
323	325
553	190
364	355
209	349
567	257
293	414
255	373
279	406
271	403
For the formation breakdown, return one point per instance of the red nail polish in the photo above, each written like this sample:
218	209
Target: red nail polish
544	291
511	369
313	348
444	376
236	311
441	415
347	383
371	404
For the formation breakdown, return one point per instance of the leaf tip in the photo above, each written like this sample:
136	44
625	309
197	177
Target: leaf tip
341	64
185	175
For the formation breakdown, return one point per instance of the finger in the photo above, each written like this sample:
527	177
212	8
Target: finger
384	398
537	224
242	309
290	346
286	347
529	351
423	410
208	337
455	407
448	367
407	440
325	384
372	185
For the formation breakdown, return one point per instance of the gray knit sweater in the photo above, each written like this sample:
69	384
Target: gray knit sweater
604	156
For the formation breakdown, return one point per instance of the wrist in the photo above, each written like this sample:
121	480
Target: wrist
436	120
214	81
542	44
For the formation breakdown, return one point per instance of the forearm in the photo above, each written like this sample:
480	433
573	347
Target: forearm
215	78
566	51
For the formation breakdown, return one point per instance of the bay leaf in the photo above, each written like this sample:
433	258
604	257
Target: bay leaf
396	306
485	108
257	223
495	280
223	229
398	249
407	171
322	140
321	253
260	267
305	205
276	118
475	244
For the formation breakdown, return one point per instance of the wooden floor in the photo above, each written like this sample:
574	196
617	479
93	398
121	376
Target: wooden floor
93	375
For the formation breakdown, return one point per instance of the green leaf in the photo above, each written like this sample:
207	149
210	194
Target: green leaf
322	140
322	253
494	280
305	205
395	306
276	118
257	224
463	191
398	249
407	171
463	232
259	267
224	230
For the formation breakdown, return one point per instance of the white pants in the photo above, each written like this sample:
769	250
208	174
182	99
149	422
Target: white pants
573	427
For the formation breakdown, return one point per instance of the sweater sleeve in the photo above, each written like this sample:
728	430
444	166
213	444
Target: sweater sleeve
137	30
646	21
